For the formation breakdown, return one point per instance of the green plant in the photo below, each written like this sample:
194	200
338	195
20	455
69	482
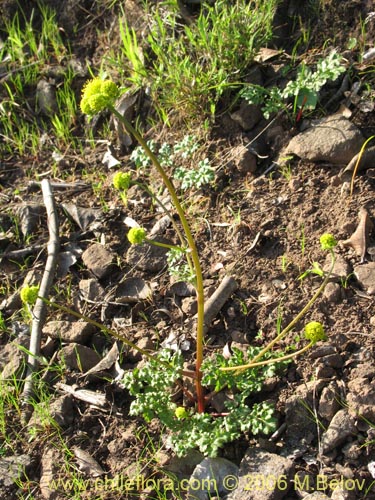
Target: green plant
303	90
241	375
188	67
28	49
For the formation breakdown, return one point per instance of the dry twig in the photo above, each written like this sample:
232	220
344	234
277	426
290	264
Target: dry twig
39	311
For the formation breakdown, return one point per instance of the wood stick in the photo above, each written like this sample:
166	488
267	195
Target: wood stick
39	311
214	304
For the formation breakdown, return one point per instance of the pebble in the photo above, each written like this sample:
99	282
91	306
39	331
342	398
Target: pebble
78	357
341	427
70	331
99	260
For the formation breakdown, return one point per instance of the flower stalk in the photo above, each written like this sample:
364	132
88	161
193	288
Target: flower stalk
193	253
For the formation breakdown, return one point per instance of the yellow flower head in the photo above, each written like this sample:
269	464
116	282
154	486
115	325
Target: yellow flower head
181	413
97	95
327	241
314	332
29	294
121	181
136	235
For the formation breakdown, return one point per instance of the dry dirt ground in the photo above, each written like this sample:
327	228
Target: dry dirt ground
262	229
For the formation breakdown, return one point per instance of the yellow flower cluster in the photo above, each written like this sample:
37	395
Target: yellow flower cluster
137	235
29	294
97	95
314	332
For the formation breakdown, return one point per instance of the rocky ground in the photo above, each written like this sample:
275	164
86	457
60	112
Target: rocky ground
259	223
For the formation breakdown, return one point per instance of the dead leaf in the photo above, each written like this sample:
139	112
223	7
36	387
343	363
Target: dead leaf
358	240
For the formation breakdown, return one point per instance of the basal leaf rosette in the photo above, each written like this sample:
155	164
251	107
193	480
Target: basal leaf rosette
97	95
314	332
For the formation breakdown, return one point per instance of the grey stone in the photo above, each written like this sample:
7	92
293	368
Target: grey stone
333	139
343	494
365	274
99	260
61	410
332	293
272	476
214	473
182	289
341	268
329	401
12	358
244	160
46	98
69	331
132	290
79	357
361	397
317	495
91	290
301	428
341	427
13	468
189	305
52	467
247	116
148	257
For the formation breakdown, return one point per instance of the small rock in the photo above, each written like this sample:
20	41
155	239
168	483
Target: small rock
61	410
361	398
79	357
267	467
301	428
333	139
317	495
189	306
182	289
148	257
212	472
332	360
365	274
352	451
247	116
332	293
14	468
46	98
91	290
341	427
343	494
69	331
244	160
183	467
341	268
132	290
98	260
324	372
12	358
329	401
319	351
52	465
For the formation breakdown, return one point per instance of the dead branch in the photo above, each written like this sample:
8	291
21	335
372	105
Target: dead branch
39	311
214	304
